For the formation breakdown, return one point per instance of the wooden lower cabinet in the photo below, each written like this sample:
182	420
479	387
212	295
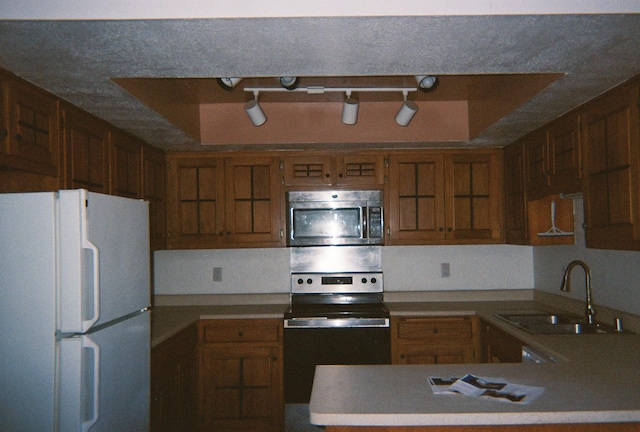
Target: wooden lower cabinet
499	346
173	379
434	340
240	375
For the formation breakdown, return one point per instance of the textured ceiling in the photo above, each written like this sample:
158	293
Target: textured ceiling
77	60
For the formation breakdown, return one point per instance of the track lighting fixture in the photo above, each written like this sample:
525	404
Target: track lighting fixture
426	82
228	83
407	111
349	109
254	111
289	82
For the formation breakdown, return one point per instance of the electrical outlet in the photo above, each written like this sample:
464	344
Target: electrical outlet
217	274
445	270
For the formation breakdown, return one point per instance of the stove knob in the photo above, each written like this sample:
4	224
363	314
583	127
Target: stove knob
374	280
364	280
300	281
309	281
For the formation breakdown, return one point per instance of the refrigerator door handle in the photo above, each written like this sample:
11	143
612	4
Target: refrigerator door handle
88	344
95	288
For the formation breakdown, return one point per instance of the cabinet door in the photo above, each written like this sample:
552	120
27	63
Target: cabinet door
195	197
499	346
153	190
253	202
537	171
564	154
126	166
360	170
515	195
32	141
473	194
238	388
311	170
611	136
86	147
416	198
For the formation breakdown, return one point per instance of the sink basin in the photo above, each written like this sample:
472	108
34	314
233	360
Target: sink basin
543	322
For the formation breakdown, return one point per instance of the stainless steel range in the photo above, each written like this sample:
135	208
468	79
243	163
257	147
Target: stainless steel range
334	317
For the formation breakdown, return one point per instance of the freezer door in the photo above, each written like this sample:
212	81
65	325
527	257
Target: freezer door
104	258
27	312
104	378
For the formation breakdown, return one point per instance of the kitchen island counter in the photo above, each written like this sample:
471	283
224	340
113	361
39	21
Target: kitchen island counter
595	383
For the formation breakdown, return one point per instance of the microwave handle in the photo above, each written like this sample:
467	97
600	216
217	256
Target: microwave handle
365	223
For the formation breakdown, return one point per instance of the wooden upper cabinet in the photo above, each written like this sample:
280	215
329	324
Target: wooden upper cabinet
223	202
312	170
153	190
416	198
195	194
473	196
30	129
611	137
126	166
86	142
252	201
553	162
436	197
362	170
515	195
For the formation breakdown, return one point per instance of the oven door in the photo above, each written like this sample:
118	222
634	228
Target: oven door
306	347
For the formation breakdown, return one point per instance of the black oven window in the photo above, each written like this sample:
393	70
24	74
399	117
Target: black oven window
327	223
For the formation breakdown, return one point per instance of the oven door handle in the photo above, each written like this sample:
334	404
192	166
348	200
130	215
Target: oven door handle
323	322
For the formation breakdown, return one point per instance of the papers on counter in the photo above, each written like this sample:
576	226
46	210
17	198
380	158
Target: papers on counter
495	388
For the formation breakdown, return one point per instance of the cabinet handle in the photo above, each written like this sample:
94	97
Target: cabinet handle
281	233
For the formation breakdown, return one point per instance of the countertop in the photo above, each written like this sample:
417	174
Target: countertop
596	379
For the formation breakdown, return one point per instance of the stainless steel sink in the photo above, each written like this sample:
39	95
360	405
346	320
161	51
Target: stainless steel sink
542	322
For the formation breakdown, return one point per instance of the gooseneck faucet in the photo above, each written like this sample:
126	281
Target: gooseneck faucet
566	287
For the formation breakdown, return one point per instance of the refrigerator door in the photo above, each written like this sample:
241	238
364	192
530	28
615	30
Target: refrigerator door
27	312
104	258
104	378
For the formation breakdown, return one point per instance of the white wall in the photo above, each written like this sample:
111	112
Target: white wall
615	275
406	268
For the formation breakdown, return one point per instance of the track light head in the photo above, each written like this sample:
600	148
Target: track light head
406	112
254	111
289	82
228	83
350	110
426	82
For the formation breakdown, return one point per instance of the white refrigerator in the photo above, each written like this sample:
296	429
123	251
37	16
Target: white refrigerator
74	312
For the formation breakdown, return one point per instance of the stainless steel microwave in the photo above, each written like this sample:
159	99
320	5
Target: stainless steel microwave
324	218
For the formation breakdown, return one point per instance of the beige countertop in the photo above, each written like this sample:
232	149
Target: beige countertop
596	379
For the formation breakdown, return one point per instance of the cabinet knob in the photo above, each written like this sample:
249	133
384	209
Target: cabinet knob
240	334
435	331
340	175
4	133
228	232
274	358
327	175
18	137
440	229
401	356
449	229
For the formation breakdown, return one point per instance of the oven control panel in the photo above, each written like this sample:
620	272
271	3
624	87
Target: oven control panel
352	282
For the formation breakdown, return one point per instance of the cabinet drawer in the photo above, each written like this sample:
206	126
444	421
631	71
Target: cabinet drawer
213	331
434	329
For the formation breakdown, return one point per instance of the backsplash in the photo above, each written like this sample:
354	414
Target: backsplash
406	268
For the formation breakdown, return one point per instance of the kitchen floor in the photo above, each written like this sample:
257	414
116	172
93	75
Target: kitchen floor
296	419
